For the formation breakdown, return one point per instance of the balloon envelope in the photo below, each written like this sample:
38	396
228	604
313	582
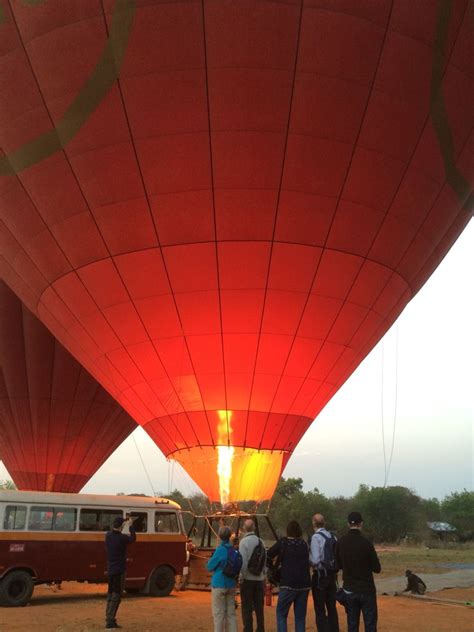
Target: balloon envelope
57	425
220	207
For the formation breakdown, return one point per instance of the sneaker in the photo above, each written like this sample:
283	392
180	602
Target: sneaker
112	626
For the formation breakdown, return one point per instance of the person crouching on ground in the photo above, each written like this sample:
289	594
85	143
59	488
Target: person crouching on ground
358	560
223	587
414	584
322	558
116	544
252	589
292	553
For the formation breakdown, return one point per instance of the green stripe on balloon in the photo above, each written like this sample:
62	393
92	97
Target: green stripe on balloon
103	77
439	115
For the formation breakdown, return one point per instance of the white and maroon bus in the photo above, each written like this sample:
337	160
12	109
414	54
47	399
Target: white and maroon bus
49	537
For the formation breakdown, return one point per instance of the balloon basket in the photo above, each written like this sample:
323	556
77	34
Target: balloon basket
204	535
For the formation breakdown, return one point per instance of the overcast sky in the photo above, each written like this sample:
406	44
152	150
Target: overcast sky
433	451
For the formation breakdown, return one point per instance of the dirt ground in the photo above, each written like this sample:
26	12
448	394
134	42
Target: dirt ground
80	608
456	594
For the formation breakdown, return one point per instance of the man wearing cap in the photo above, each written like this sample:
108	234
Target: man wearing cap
116	544
358	560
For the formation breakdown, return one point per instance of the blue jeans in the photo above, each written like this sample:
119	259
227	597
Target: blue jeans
365	603
299	599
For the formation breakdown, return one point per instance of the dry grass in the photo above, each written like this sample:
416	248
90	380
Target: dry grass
395	560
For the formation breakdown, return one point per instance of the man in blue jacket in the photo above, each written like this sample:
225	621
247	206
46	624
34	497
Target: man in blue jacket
223	587
116	544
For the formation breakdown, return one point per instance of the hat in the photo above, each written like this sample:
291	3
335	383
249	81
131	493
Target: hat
118	522
354	518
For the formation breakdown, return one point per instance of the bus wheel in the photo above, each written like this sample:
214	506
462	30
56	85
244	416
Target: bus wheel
16	589
162	581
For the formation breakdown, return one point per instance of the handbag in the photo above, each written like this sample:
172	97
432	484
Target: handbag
274	570
341	597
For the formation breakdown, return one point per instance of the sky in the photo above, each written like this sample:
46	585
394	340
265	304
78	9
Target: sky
425	409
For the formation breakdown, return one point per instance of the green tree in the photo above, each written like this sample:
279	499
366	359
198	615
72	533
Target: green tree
390	513
431	509
290	502
458	510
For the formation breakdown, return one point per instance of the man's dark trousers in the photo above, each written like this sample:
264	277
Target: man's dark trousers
114	597
251	596
324	598
365	603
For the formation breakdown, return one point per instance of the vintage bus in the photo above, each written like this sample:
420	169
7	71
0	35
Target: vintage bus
50	537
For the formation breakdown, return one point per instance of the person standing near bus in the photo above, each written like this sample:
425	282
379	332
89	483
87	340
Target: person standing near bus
116	544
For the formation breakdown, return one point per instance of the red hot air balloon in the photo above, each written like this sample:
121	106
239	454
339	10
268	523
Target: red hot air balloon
219	207
57	425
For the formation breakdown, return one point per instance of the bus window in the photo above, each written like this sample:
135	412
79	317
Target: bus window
140	521
64	519
41	519
15	518
98	519
166	522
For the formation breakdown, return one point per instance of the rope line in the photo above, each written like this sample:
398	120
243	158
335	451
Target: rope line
394	426
143	463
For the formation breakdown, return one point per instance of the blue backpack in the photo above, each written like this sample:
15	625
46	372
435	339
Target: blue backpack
233	564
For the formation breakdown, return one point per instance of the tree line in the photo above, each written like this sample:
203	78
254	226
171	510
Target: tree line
391	514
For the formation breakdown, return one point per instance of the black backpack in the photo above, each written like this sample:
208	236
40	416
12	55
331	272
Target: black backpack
257	560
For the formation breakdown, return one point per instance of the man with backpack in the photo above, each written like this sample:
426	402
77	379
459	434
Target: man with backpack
226	563
323	561
252	577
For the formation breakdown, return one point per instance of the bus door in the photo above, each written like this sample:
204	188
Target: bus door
52	532
94	522
138	554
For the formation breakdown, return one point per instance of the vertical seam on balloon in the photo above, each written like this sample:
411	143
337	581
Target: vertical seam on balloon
216	250
339	198
275	220
84	417
112	259
22	314
12	415
439	115
357	361
51	285
58	349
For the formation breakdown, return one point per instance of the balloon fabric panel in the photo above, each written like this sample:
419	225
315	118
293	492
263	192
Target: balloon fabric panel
219	208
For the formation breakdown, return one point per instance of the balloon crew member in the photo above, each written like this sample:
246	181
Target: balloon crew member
414	584
116	544
322	556
358	559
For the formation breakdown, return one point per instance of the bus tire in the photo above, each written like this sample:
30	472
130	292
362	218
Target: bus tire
162	581
16	589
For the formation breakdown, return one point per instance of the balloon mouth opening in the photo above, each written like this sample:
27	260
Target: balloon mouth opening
232	474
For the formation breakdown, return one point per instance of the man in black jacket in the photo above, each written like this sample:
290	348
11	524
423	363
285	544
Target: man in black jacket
116	544
358	560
